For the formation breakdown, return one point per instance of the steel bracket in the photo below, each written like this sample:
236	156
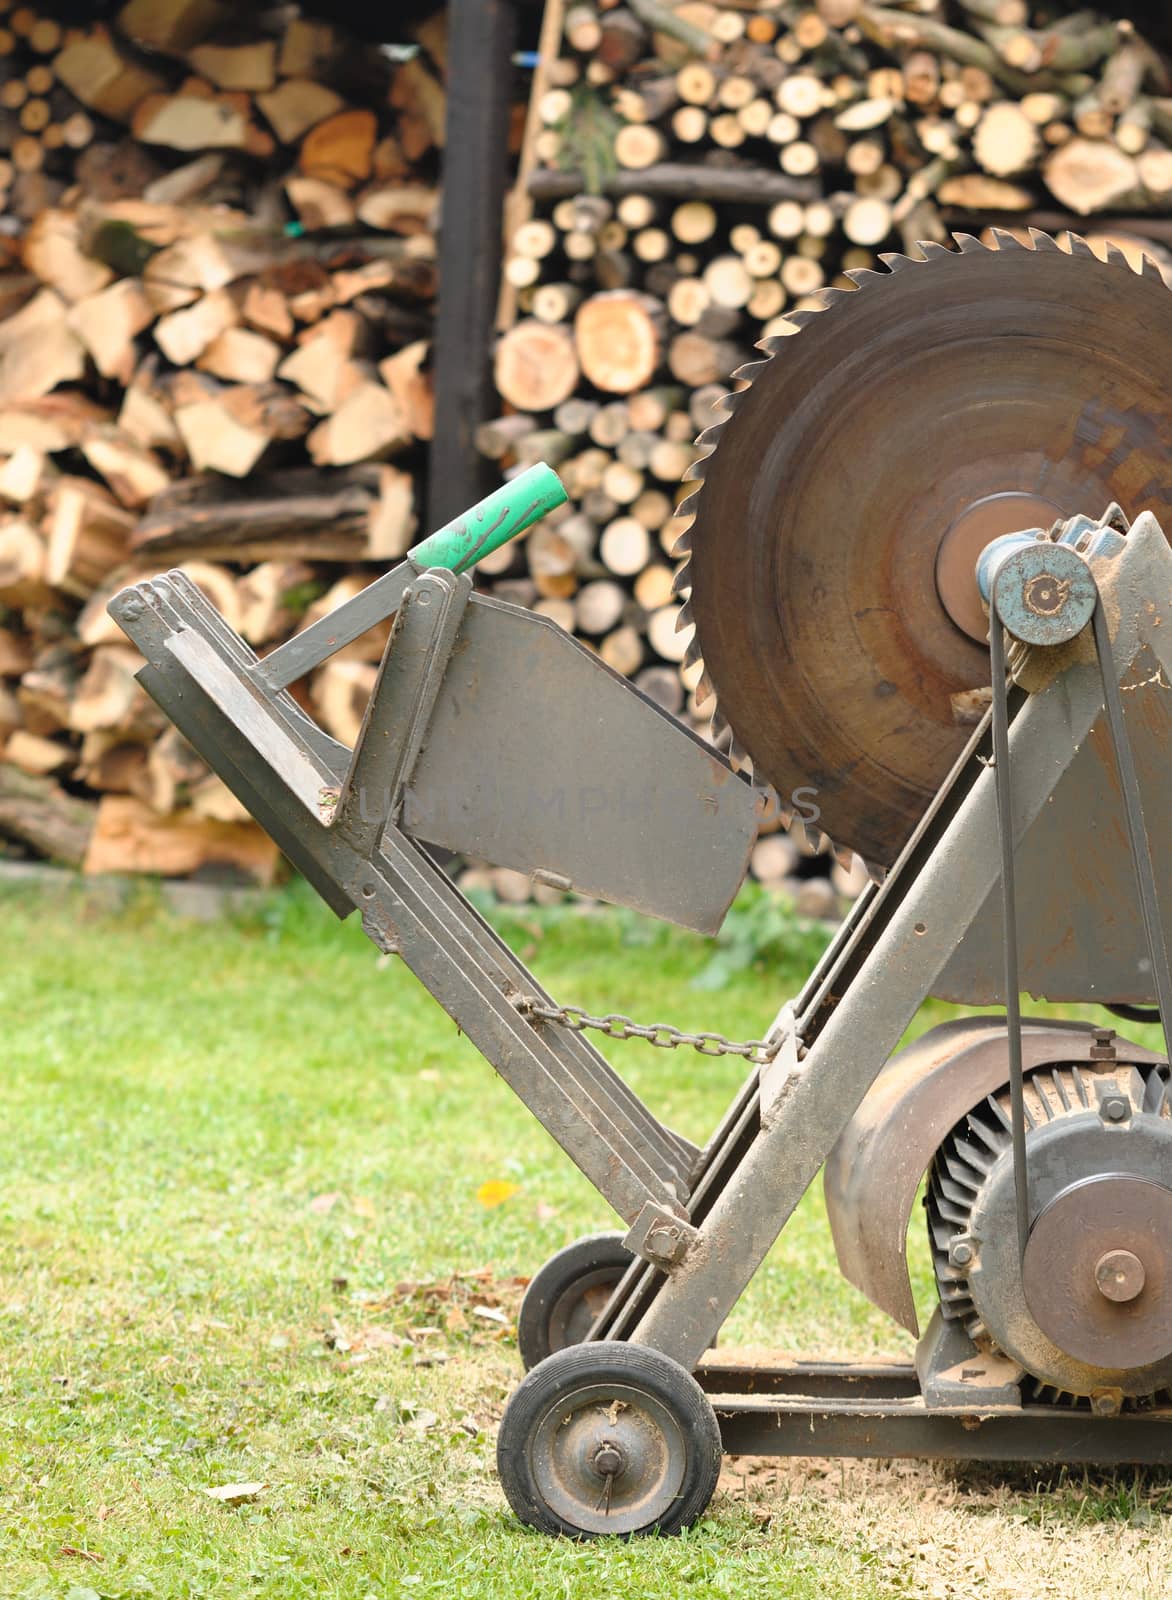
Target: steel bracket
782	1069
661	1237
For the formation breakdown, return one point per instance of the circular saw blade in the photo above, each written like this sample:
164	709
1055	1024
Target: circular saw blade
829	566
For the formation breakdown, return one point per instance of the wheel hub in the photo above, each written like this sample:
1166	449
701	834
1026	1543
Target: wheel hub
977	526
609	1459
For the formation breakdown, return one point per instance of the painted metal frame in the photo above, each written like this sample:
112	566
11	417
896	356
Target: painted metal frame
721	1209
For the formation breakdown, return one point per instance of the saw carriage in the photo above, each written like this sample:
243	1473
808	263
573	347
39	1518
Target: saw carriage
931	586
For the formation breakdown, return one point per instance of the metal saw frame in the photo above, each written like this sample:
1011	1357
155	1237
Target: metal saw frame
701	1220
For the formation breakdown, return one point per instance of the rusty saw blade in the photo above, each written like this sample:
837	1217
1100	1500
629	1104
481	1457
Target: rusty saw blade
830	565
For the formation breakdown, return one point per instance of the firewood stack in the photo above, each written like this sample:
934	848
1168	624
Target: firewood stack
217	284
694	171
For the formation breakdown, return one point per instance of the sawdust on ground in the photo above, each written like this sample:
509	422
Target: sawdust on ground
940	1532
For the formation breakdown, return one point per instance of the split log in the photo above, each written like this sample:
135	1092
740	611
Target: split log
129	837
405	376
38	350
369	425
103	79
133	472
38	813
297	106
191	122
184	335
52	250
108	322
88	536
34	754
109	697
341	149
171	26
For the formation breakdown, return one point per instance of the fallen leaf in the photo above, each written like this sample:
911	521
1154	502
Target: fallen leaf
491	1314
363	1206
82	1555
235	1494
495	1192
321	1203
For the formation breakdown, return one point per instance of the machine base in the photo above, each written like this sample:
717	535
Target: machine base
823	1408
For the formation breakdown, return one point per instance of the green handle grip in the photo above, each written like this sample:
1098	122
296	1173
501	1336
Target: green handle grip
493	521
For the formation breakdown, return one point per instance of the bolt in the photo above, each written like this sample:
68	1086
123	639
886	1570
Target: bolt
1114	1108
960	1252
664	1244
608	1460
1045	594
1106	1402
1120	1276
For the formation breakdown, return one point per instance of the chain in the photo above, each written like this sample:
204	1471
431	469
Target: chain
660	1034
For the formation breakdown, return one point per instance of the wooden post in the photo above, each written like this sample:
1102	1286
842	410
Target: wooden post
481	36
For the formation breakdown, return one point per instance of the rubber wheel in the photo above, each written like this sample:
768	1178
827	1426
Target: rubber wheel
609	1439
565	1297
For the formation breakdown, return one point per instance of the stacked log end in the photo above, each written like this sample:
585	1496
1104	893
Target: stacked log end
692	173
217	286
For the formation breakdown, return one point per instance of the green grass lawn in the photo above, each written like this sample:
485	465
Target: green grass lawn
241	1242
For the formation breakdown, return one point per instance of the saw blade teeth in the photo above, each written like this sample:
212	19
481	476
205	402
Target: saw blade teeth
704	692
876	874
773	343
862	276
1115	256
1151	268
719	725
681	583
746	374
815	838
1079	246
682	544
1005	240
709	438
1044	241
933	249
895	260
844	857
968	244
